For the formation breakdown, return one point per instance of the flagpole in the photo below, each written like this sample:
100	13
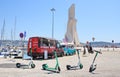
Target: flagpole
52	22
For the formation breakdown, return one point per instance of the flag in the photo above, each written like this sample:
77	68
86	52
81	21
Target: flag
24	34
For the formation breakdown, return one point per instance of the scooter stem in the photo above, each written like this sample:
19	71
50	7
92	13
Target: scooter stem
78	57
57	64
96	55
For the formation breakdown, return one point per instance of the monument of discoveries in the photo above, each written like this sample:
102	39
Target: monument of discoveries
71	34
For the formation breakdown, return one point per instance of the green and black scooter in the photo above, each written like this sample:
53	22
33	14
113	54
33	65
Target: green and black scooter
79	66
56	69
93	65
26	66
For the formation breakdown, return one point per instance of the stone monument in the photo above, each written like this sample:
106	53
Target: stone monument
71	34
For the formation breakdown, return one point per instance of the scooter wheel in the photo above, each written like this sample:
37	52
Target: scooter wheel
32	65
68	67
44	66
18	65
81	66
59	69
92	68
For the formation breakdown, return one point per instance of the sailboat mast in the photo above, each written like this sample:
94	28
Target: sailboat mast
11	36
1	33
3	30
1	38
15	29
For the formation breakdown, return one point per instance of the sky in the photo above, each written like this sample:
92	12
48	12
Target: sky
95	18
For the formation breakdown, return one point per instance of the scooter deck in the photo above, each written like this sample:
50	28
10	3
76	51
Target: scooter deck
69	67
74	68
51	69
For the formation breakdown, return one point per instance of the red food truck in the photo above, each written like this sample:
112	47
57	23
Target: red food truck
39	45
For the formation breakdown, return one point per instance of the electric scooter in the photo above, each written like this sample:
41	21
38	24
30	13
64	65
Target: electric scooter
79	66
25	66
56	69
93	66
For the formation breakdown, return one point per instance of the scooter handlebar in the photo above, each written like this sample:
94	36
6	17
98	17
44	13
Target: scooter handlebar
98	51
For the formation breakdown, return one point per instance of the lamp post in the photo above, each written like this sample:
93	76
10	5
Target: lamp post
52	22
113	44
93	38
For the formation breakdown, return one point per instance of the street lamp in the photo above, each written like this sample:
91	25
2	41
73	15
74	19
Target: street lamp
52	22
93	38
113	44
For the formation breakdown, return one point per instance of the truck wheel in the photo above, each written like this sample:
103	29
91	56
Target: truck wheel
61	54
34	57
